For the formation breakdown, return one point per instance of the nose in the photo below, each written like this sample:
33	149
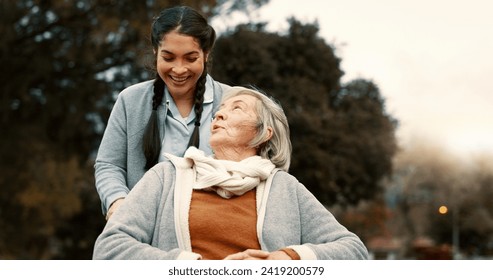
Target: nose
219	115
179	68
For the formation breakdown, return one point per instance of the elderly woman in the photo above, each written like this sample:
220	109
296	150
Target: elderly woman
238	204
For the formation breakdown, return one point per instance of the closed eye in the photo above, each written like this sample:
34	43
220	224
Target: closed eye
192	59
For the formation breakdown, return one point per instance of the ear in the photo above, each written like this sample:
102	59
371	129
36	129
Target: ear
206	55
270	132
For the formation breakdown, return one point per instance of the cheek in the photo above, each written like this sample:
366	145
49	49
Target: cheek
246	132
197	67
162	66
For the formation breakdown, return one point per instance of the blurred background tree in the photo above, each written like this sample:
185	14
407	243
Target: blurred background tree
426	178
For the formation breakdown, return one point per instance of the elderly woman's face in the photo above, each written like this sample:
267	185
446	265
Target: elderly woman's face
234	125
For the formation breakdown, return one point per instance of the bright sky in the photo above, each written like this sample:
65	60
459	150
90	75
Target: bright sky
432	60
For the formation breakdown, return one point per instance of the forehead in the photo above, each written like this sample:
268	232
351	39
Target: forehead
178	42
247	99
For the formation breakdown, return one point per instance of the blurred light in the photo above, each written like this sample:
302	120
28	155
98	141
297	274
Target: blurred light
443	210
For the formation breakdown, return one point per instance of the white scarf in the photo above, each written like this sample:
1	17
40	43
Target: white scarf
228	178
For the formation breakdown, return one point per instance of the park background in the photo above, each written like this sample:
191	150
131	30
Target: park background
391	131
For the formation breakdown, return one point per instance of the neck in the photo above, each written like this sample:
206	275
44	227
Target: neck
234	154
184	105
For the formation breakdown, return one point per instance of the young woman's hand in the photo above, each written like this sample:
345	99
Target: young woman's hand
113	207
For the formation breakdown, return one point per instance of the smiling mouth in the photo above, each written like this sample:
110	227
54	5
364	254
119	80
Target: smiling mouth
179	79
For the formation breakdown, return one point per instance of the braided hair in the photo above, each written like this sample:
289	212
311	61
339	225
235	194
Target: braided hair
188	22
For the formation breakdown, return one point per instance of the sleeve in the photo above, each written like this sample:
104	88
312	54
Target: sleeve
111	161
130	231
322	236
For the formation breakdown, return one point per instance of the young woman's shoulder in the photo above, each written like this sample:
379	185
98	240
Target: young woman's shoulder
216	83
223	86
139	90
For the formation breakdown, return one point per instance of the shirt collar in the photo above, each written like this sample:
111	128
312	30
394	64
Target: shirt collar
171	106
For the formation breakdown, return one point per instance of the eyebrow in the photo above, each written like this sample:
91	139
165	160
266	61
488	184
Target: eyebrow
188	53
239	101
234	102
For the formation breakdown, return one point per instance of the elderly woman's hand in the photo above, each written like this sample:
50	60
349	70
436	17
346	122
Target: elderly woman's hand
278	255
250	254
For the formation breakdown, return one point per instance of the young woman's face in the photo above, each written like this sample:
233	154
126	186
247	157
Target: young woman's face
235	124
180	63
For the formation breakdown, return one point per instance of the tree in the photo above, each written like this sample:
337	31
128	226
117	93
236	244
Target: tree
343	140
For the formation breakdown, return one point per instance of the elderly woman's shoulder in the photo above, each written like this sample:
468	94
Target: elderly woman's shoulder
163	167
285	177
286	183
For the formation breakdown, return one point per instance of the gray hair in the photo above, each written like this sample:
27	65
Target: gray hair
269	114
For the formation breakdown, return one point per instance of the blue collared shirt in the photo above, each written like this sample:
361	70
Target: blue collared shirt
177	130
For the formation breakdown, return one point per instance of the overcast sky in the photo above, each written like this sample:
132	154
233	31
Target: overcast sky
432	60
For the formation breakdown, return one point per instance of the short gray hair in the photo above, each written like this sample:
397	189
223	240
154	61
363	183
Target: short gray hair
269	114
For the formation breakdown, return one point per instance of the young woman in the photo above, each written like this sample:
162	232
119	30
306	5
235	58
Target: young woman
167	114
